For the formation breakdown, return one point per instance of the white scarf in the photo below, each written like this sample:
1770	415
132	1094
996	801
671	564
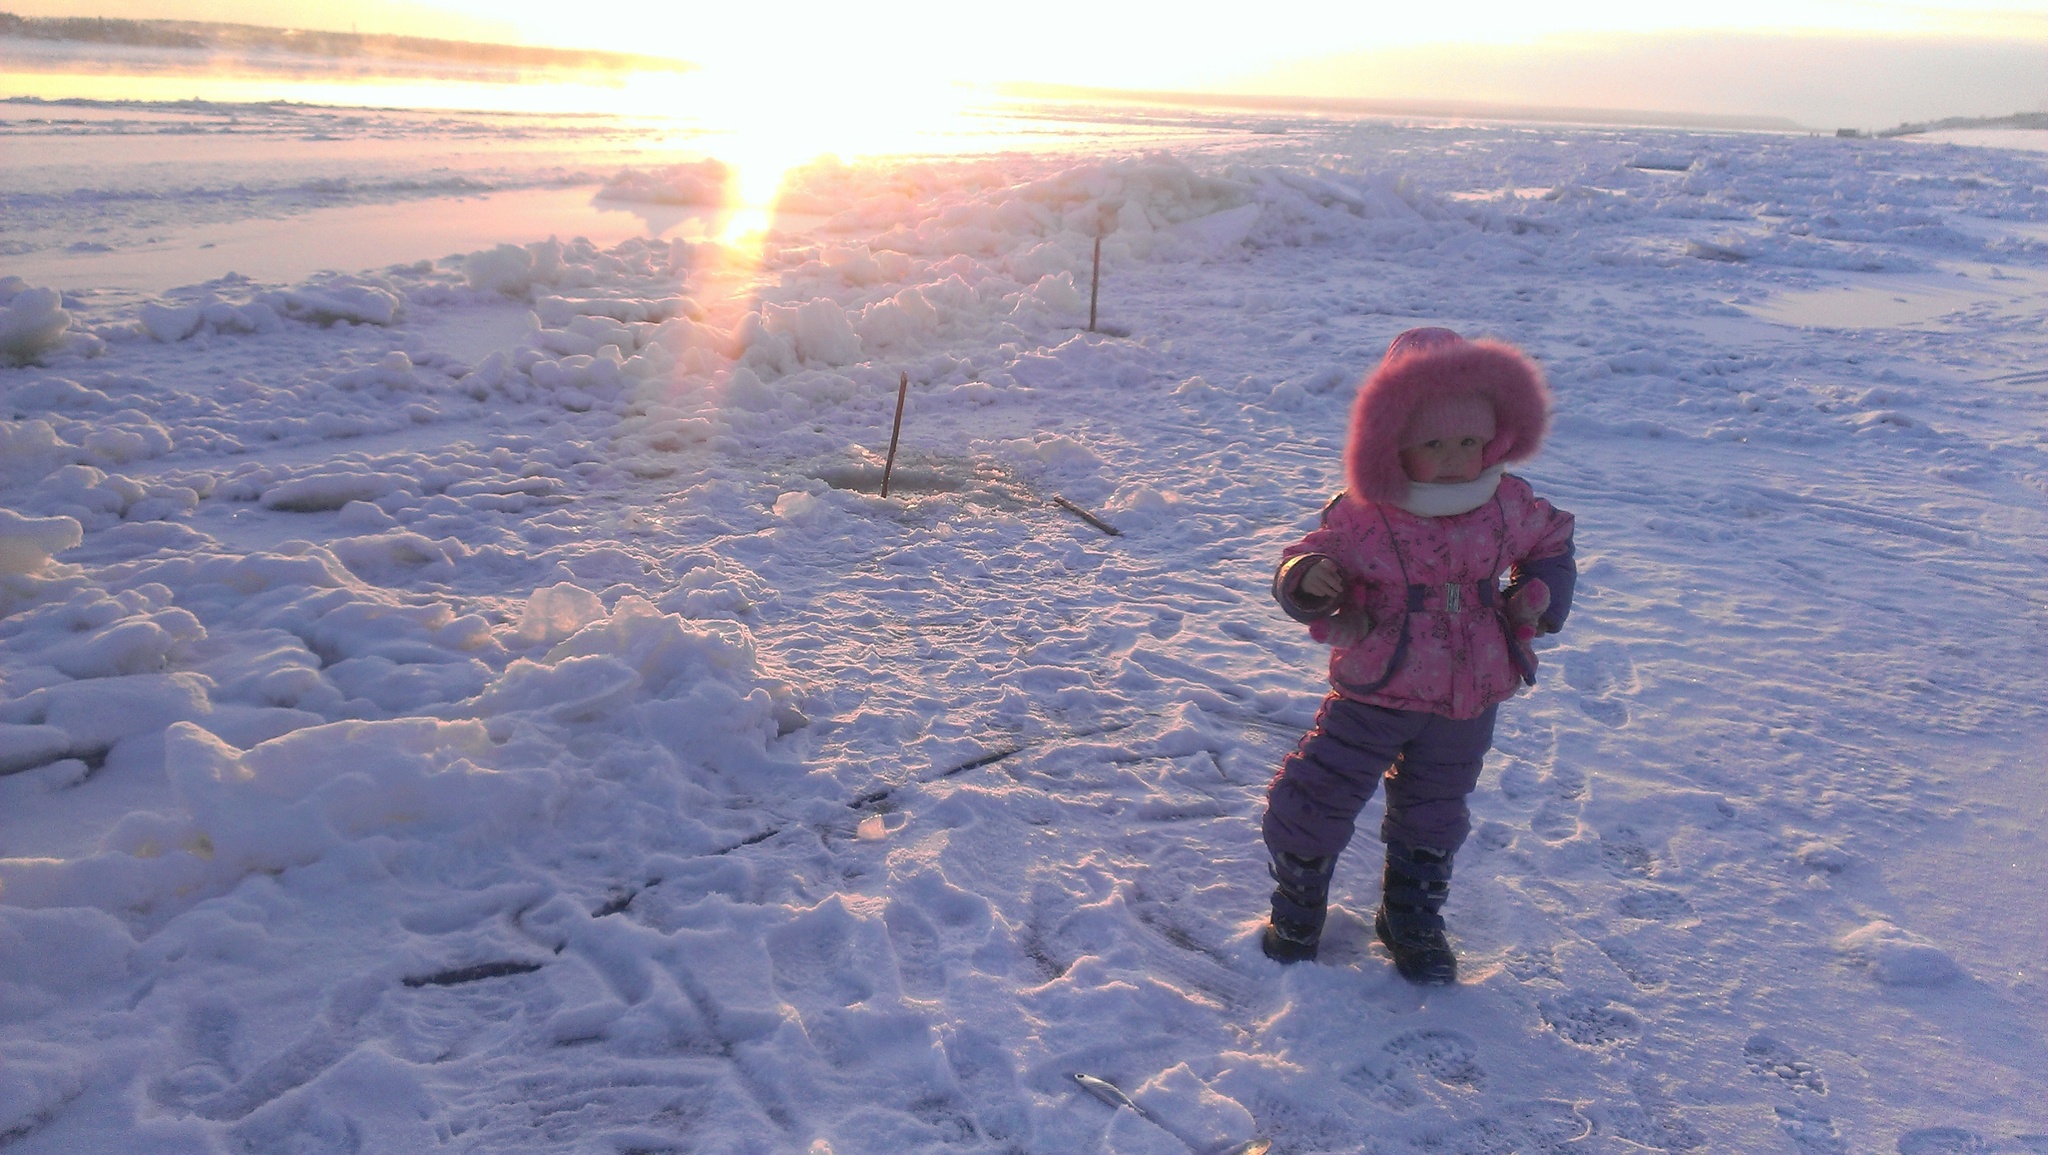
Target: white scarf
1430	499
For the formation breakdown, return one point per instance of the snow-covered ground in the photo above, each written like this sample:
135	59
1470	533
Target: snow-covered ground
481	703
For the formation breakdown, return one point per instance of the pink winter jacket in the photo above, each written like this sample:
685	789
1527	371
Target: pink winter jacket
1420	625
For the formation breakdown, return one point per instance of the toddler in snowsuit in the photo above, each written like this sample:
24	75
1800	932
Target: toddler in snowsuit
1402	580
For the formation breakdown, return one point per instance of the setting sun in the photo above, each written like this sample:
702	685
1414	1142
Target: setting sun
763	126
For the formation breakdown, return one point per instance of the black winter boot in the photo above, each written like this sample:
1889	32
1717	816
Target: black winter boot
1410	921
1301	901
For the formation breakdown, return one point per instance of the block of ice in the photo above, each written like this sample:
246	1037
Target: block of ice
1897	957
28	543
32	321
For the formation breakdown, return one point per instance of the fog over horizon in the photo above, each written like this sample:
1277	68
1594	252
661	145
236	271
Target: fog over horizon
1818	79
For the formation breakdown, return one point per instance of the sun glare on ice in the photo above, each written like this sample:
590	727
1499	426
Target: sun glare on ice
764	126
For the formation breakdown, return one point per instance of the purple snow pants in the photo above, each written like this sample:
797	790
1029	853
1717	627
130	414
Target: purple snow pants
1431	763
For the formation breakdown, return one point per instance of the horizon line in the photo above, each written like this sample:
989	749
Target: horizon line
1429	107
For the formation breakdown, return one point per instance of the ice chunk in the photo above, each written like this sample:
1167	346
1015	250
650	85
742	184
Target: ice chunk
100	712
62	951
361	515
127	437
26	747
1059	292
745	390
170	323
1729	250
290	799
1137	504
28	543
254	317
1056	450
780	339
339	299
904	319
1046	259
327	491
397	556
32	321
819	328
33	448
1213	234
507	269
556	612
1653	160
139	644
283	803
696	183
50	393
408	687
1897	957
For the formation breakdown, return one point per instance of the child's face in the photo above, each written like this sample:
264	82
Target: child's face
1444	460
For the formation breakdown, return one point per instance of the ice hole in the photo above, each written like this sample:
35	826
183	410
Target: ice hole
904	479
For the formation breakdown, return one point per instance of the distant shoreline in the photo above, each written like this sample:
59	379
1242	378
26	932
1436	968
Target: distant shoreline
2033	120
1443	109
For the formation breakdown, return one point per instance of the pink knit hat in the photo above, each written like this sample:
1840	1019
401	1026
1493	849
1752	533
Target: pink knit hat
1431	383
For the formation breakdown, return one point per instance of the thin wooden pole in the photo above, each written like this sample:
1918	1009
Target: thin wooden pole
889	466
1094	282
1084	515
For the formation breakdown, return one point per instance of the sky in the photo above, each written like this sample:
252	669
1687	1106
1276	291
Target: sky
1821	62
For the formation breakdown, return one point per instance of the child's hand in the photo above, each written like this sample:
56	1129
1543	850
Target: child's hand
1322	579
1525	608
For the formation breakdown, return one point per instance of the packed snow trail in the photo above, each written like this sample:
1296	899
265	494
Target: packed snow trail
487	707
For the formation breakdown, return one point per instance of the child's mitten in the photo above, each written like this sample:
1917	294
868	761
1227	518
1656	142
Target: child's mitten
1349	623
1525	606
1526	603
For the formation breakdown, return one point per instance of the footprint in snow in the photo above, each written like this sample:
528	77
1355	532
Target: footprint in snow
1494	836
1624	854
1561	789
916	944
1556	820
818	960
1445	1056
1589	1021
1602	670
1947	1141
1584	673
1519	781
1608	713
1528	966
1531	1125
1766	1055
209	1035
953	1120
1391	1077
1812	1132
1638	967
987	1074
1602	679
1655	904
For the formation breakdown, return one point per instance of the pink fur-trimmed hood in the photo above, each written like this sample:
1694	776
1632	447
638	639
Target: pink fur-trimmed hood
1427	368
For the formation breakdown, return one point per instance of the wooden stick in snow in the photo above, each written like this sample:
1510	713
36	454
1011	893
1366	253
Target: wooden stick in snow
1094	282
1084	515
902	391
